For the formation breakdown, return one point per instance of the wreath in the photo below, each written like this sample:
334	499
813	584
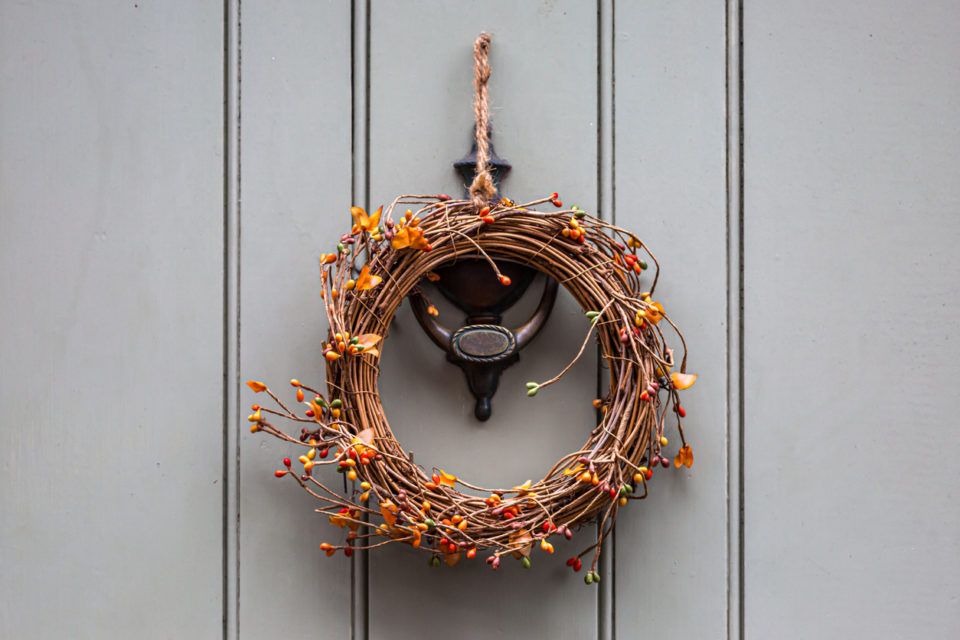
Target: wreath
391	499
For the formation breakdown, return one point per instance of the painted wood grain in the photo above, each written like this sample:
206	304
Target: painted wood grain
543	93
111	223
852	195
295	186
671	568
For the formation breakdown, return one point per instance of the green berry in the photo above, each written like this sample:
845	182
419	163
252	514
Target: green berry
525	562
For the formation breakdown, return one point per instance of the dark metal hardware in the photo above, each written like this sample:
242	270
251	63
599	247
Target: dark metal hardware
467	166
483	348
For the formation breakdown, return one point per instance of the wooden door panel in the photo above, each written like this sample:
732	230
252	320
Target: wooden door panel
543	96
295	201
671	549
111	219
850	309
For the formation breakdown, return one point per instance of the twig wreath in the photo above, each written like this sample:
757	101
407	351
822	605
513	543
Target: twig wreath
392	499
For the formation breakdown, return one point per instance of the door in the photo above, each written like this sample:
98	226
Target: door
171	172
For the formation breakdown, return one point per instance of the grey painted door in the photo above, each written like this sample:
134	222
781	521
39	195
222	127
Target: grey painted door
170	172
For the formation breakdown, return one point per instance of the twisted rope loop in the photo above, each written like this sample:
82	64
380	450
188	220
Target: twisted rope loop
482	189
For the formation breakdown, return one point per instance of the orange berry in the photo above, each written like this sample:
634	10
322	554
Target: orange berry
505	281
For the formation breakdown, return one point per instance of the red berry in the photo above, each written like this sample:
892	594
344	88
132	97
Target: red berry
309	413
505	281
323	452
664	462
577	565
348	552
280	473
681	412
554	195
286	462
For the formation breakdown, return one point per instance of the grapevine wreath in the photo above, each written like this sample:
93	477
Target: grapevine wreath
390	498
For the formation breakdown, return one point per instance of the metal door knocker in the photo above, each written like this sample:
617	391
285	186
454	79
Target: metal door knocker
483	348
